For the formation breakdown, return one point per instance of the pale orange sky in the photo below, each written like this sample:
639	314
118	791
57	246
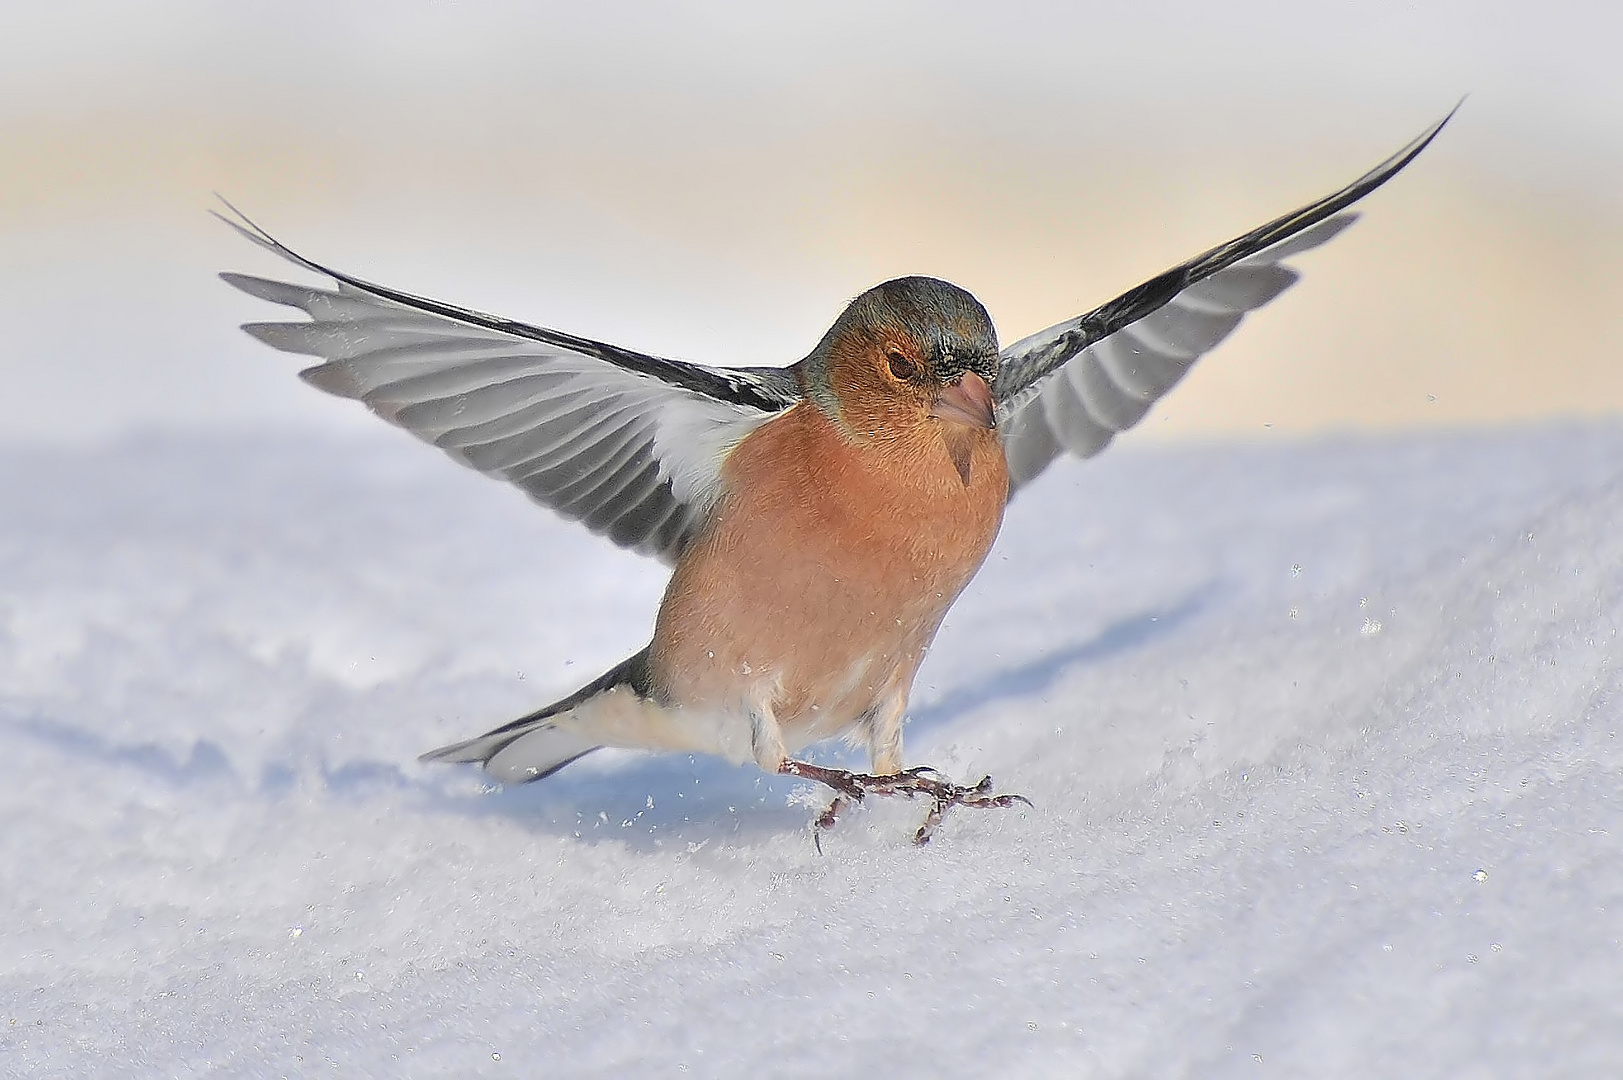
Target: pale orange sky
713	183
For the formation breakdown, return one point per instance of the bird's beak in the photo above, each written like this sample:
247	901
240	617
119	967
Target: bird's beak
967	401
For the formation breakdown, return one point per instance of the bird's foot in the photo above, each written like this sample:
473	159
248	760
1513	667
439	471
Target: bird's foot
850	787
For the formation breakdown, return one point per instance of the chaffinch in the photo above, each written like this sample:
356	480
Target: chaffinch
820	518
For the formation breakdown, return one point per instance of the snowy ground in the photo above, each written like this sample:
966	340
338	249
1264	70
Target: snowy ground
1322	742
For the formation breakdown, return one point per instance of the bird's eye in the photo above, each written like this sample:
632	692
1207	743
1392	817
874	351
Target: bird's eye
900	366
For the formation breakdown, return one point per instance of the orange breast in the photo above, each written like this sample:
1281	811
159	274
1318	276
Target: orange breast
825	571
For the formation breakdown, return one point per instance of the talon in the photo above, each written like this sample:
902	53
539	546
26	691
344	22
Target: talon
851	787
826	819
938	810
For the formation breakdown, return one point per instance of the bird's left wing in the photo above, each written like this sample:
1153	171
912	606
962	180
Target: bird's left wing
630	445
1074	386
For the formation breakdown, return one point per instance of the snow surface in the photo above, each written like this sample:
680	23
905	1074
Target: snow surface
1322	742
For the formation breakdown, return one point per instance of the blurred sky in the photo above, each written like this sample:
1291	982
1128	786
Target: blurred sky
714	180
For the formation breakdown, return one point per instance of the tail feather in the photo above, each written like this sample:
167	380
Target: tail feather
530	753
533	746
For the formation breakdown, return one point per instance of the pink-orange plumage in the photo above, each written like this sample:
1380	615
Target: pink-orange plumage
827	570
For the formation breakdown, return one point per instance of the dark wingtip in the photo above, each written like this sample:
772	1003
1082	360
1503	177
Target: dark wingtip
1423	140
243	224
242	219
252	231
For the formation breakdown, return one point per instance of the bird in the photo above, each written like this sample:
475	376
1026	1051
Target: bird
819	518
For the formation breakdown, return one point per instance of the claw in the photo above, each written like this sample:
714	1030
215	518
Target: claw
938	810
826	819
977	796
851	787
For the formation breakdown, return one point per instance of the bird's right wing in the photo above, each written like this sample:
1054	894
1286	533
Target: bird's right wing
629	445
1074	386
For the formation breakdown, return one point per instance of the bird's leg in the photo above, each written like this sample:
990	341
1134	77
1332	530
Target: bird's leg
850	787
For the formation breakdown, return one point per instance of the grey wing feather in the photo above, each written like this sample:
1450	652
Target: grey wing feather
629	445
1074	386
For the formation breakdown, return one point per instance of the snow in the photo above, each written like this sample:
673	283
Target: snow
1321	739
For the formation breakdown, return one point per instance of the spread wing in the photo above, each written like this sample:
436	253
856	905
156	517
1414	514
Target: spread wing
1073	386
629	445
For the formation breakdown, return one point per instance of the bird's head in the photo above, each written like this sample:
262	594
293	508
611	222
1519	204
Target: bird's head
911	352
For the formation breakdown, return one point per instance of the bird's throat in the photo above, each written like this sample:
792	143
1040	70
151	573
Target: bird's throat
960	443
